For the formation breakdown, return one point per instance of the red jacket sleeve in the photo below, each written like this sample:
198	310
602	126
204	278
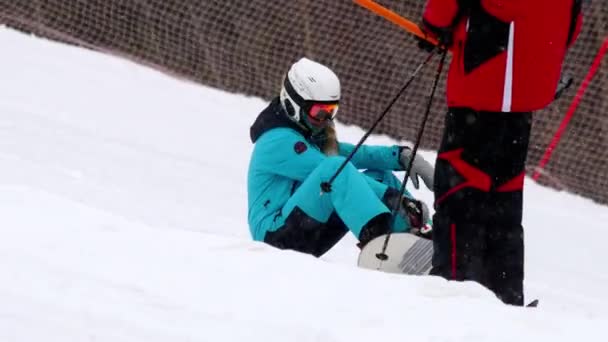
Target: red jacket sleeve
440	14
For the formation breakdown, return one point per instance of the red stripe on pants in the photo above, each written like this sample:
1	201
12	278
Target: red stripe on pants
453	238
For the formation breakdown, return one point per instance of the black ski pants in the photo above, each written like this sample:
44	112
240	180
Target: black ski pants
477	226
304	234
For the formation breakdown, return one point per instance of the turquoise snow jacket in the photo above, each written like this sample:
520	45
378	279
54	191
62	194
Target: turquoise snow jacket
284	155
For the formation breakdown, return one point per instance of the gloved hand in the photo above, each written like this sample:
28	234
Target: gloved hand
424	45
420	168
419	216
443	35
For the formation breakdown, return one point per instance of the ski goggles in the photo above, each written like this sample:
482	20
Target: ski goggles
320	113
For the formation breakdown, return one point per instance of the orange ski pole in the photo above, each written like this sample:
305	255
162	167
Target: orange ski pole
395	18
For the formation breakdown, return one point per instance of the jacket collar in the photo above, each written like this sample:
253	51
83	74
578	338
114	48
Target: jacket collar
271	117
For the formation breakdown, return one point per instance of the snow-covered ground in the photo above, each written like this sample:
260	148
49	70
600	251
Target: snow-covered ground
123	218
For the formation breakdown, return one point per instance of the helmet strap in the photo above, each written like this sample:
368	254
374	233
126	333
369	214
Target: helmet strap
290	112
293	93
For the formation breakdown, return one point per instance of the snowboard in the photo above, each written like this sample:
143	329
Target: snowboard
405	253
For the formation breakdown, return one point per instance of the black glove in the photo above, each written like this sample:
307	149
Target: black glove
419	217
443	35
425	45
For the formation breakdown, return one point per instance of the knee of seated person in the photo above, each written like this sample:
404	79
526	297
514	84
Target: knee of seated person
386	177
378	175
331	164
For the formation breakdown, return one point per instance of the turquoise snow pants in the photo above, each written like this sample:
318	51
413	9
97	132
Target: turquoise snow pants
313	221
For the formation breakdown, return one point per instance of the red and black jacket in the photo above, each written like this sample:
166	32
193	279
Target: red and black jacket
507	54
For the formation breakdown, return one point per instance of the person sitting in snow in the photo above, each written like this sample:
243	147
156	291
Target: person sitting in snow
296	150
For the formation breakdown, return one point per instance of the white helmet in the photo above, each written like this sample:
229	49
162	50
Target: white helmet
310	94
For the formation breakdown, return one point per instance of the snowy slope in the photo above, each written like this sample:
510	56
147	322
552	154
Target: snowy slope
123	218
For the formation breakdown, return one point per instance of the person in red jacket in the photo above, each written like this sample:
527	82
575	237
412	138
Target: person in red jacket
506	63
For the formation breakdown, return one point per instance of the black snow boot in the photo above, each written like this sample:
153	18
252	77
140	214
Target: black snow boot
377	226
